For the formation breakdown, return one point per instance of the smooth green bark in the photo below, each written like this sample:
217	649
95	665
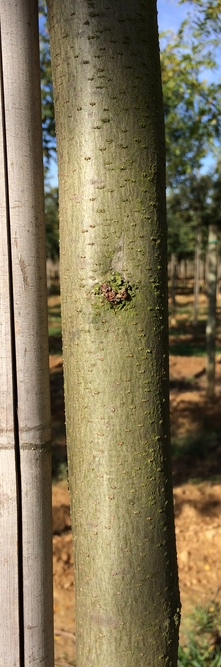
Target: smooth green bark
108	106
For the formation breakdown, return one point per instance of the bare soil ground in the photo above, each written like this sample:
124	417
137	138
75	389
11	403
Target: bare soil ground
197	495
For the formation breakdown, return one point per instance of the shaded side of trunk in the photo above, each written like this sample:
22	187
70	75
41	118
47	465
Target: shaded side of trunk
212	257
109	118
25	457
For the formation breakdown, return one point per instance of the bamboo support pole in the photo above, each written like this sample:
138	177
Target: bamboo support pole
26	629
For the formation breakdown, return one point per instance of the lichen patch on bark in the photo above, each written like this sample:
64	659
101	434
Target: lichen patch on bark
114	291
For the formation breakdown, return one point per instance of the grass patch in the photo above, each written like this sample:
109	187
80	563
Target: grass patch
54	317
182	310
202	647
196	458
183	348
195	446
190	348
54	329
200	445
55	342
60	474
188	340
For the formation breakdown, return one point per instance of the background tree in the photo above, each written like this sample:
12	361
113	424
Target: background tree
51	222
195	210
109	120
180	236
207	19
192	112
191	104
214	224
187	208
211	319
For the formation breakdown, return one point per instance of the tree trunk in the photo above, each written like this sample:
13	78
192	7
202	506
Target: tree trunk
173	284
197	275
183	272
106	71
26	635
212	257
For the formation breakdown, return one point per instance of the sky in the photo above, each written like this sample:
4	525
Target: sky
170	14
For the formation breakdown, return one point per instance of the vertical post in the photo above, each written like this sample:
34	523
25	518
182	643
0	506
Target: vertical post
26	634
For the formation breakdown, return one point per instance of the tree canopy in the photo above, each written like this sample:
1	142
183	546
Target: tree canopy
47	101
191	102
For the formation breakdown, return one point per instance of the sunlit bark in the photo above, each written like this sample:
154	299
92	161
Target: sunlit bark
109	119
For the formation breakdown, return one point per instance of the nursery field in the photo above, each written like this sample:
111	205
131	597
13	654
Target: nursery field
196	454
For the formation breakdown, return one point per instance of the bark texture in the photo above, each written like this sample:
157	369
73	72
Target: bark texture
26	629
109	119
